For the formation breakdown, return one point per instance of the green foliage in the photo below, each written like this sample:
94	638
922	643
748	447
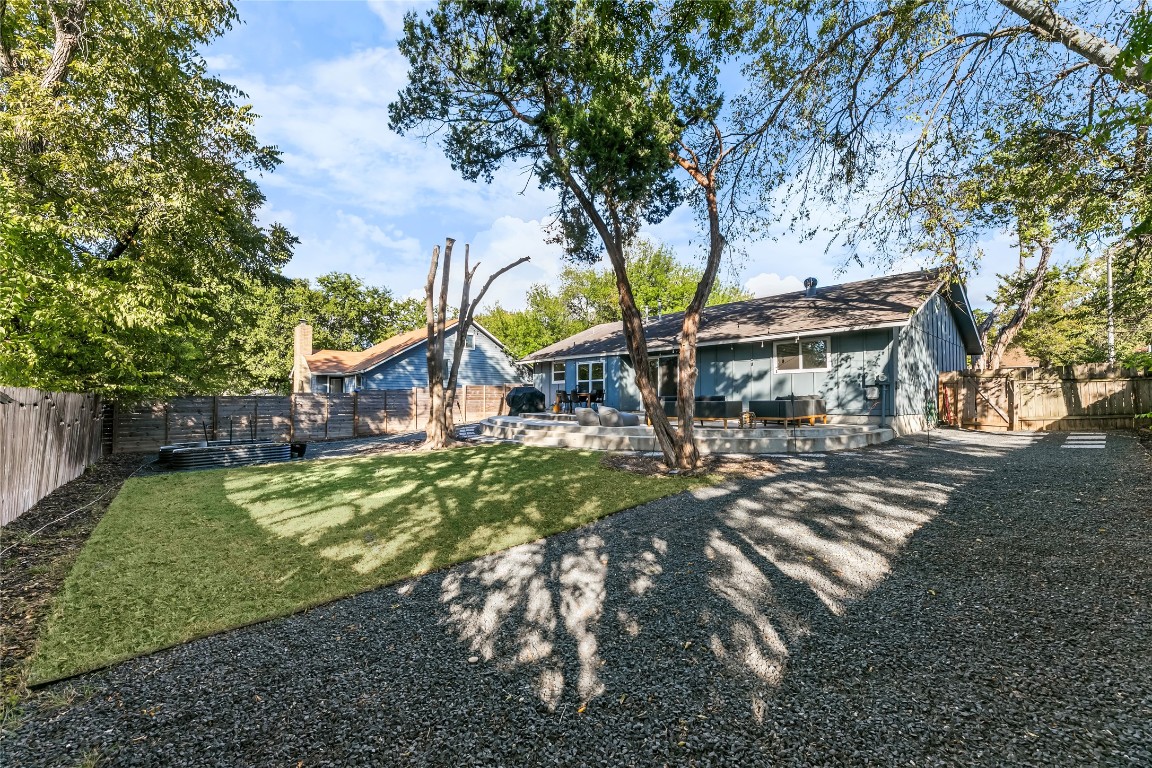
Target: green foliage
344	313
587	296
1069	324
285	537
562	87
128	216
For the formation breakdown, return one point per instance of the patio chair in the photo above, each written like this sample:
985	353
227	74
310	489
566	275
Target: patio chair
564	400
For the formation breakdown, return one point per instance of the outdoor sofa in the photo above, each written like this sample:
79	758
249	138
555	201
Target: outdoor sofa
708	408
786	409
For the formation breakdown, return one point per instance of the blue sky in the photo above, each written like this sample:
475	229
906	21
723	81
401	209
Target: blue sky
366	201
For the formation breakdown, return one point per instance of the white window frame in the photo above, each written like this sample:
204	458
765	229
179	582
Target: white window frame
800	351
470	340
590	380
560	368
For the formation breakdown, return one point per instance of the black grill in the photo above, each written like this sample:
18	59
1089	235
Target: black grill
524	400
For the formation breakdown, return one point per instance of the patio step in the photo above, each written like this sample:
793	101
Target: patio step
566	435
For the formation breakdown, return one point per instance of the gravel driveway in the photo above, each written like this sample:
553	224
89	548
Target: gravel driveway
983	601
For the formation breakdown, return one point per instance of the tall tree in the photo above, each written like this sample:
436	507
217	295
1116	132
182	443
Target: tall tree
128	211
563	88
897	111
604	100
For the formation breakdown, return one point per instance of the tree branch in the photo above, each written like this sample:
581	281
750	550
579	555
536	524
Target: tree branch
1080	41
68	19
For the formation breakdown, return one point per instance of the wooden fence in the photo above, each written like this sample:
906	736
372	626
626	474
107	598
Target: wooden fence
1058	399
46	440
299	417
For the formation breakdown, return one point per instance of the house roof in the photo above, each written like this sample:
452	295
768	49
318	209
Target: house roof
875	303
331	361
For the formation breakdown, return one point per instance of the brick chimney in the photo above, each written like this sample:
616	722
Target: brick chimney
301	348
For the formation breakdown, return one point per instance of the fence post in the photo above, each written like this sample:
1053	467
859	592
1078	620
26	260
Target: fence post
215	417
1010	385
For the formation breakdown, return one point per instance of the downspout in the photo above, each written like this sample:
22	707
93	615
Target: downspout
893	366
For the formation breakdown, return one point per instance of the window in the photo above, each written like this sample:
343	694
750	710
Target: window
663	372
803	355
469	341
558	373
589	377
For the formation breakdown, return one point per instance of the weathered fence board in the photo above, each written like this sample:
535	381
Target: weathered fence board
46	439
1056	399
299	417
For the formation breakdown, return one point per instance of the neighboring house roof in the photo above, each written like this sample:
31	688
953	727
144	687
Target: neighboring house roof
339	363
879	302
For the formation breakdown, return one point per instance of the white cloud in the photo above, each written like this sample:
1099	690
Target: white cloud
504	242
380	255
223	62
391	12
770	283
331	123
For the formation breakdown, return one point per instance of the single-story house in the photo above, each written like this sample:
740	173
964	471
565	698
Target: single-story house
397	363
872	349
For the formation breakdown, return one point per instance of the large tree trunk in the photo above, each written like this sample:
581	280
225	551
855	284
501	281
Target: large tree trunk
687	451
68	19
633	321
438	432
1008	332
638	350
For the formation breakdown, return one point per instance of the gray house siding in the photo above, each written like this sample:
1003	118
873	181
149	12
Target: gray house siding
929	344
486	363
745	372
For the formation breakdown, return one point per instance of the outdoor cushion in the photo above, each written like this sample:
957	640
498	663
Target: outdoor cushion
586	417
718	409
802	406
768	409
609	417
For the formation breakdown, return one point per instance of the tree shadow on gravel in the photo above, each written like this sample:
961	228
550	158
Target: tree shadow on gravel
739	572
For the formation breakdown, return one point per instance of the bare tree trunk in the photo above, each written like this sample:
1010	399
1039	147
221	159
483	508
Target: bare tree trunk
442	396
438	432
1008	332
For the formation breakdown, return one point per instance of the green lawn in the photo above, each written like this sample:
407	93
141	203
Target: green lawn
180	556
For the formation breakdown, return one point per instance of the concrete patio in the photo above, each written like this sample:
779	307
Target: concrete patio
551	430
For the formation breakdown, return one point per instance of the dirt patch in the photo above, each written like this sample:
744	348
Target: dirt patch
726	466
38	549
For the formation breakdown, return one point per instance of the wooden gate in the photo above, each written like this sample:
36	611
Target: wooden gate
1070	398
